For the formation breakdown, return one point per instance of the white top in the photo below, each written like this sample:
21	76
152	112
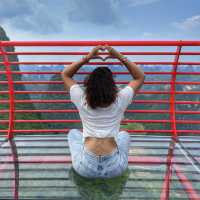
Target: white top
101	122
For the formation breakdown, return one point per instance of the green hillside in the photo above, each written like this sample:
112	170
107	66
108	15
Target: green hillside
3	87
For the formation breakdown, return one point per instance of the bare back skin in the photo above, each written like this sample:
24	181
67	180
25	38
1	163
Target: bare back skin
100	146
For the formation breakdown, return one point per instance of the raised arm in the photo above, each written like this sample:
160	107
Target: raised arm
134	69
71	69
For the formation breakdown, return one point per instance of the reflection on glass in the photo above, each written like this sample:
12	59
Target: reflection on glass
98	188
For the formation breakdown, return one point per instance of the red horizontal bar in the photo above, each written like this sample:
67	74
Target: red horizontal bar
130	131
187	82
138	92
101	63
81	73
89	63
85	53
117	82
78	121
36	92
128	111
69	101
74	111
125	72
67	159
66	130
42	111
102	42
38	101
81	82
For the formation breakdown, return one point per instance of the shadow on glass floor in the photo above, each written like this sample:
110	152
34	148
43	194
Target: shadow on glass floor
98	188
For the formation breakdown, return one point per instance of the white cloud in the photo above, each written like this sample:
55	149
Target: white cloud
76	20
49	17
189	23
135	3
117	4
30	16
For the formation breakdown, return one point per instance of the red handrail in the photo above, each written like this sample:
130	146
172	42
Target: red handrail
102	42
93	43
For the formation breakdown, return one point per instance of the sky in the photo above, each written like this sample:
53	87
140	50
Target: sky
101	19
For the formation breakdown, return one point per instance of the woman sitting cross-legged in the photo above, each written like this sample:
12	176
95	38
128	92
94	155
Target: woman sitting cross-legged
101	150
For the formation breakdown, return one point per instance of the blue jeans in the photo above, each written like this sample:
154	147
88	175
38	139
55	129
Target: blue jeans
88	164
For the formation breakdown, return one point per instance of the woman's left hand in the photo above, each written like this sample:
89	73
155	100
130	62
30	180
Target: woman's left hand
94	52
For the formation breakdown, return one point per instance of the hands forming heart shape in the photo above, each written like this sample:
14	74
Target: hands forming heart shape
102	58
94	53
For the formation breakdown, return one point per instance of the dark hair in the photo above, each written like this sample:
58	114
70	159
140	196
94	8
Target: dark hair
100	88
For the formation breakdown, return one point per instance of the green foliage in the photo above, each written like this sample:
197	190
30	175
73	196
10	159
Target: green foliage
59	106
133	126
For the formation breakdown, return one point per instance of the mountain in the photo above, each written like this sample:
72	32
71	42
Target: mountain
19	87
59	106
163	87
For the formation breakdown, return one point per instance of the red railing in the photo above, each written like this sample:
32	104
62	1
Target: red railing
172	102
176	63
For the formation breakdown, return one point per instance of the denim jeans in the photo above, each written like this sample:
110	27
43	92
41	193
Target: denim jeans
88	164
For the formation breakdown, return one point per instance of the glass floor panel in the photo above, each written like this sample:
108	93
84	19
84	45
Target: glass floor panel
39	167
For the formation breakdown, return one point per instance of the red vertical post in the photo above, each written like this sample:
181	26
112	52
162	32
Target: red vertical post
187	185
11	121
166	184
11	91
16	168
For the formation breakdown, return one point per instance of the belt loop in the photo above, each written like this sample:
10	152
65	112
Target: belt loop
117	149
100	158
83	150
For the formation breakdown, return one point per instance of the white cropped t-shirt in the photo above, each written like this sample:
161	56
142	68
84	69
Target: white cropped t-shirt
101	122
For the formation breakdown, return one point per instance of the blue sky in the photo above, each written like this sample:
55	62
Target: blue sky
101	20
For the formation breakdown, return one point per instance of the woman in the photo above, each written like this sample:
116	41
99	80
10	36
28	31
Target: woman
101	150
